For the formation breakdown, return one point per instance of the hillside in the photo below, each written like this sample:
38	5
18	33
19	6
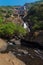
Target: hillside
35	16
29	5
11	22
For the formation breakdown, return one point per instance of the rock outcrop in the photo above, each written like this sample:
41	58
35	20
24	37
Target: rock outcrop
38	36
35	42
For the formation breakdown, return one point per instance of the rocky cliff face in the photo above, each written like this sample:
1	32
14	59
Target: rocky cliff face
34	19
38	36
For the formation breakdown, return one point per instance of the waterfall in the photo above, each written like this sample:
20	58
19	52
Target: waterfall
26	26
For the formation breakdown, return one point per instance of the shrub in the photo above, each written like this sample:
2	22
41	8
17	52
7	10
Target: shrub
10	29
1	20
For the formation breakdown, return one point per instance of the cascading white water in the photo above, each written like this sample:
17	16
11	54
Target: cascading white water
26	26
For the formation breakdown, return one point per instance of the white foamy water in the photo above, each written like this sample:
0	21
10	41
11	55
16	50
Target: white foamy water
25	26
10	43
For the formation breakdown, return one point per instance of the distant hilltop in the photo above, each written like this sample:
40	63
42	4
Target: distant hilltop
21	10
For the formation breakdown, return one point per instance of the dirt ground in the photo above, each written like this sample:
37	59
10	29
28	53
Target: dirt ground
9	59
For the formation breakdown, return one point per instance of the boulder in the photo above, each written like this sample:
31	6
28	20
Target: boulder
15	42
3	45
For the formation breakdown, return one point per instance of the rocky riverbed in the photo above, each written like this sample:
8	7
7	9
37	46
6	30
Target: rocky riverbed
22	55
8	58
28	55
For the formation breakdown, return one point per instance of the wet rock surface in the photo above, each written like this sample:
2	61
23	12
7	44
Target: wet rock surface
28	55
31	44
38	36
15	42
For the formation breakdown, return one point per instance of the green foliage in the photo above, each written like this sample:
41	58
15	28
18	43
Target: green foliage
21	30
6	29
35	27
35	16
10	29
1	20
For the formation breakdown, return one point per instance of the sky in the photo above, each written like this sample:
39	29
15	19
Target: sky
15	2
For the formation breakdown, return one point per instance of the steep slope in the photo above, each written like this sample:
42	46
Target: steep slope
35	16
